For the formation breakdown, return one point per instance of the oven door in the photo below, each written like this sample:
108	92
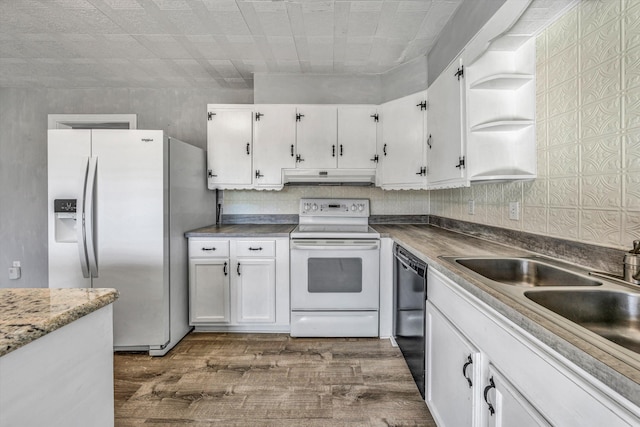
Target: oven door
335	274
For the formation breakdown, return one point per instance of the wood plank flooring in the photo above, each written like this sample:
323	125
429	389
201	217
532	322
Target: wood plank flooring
235	380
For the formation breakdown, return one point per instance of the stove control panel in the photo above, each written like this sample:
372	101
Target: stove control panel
335	207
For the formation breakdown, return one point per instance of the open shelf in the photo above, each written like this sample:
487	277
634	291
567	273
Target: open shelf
505	81
502	126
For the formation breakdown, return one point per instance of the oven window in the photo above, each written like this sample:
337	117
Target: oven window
329	275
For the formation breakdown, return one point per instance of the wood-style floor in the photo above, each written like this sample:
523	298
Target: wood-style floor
235	380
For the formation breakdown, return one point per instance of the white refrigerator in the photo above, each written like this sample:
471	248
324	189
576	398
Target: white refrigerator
119	204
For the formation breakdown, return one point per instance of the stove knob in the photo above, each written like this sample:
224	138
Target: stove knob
361	207
353	208
314	207
306	207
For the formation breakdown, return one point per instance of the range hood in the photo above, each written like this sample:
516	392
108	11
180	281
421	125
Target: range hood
360	177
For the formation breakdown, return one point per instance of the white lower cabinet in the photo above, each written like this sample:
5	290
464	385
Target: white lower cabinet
239	285
256	290
506	406
484	370
452	378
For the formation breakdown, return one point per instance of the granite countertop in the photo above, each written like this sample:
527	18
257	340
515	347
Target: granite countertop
27	314
428	243
242	230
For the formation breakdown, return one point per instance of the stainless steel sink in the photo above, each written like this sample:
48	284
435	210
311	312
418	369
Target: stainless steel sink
525	272
614	315
603	310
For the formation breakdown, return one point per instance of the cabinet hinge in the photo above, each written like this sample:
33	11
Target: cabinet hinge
299	117
210	115
210	173
460	72
376	158
376	117
422	172
258	115
422	105
460	164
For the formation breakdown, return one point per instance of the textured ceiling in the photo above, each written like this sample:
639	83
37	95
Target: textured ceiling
208	43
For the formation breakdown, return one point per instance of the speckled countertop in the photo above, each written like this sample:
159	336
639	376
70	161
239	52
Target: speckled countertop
27	314
242	230
428	243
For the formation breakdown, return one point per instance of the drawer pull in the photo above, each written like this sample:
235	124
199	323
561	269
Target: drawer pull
486	395
238	269
224	269
255	249
464	370
208	249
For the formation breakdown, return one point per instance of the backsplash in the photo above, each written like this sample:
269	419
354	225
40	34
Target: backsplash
286	201
588	135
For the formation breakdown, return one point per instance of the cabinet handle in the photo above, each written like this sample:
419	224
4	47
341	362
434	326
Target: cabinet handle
224	269
464	370
208	249
460	164
486	397
340	150
258	174
422	172
258	115
375	158
429	141
255	249
248	146
238	269
384	149
291	150
299	158
333	151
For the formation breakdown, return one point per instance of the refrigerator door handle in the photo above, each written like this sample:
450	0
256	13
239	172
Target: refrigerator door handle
80	225
89	216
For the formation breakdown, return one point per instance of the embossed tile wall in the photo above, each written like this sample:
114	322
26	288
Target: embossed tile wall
588	135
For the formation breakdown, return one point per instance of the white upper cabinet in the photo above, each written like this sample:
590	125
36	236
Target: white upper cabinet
229	146
274	129
446	133
357	136
317	136
401	149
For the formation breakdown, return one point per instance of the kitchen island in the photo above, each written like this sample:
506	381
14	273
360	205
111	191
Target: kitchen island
56	357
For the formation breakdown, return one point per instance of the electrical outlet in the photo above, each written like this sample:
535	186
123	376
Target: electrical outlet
514	211
472	207
14	273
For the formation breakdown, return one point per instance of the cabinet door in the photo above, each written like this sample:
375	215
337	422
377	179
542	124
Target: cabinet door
445	141
509	407
402	151
209	291
357	132
255	290
229	146
452	372
274	143
317	136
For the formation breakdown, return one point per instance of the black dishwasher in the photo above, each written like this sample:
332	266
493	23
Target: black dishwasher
410	294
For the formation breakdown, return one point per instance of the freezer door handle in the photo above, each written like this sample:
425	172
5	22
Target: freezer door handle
89	216
80	226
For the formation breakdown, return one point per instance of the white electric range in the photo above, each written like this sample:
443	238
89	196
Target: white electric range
335	263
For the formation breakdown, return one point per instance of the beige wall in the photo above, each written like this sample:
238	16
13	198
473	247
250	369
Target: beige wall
588	135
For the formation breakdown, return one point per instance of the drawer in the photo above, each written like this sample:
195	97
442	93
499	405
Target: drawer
256	248
208	248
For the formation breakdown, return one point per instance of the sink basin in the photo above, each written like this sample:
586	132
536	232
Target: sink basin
524	272
614	315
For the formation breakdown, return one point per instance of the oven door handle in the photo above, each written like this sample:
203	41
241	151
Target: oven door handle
323	246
